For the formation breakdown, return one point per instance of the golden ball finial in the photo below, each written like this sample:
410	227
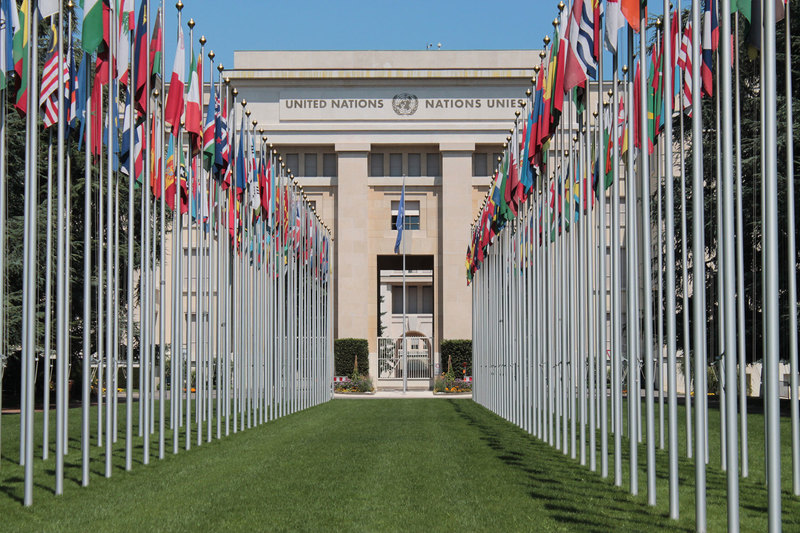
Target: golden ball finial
190	24
516	113
528	92
624	69
610	93
211	55
561	6
203	40
235	91
179	6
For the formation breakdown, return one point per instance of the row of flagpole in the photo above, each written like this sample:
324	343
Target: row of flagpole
230	232
545	311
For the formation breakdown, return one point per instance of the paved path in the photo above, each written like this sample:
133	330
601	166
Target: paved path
400	394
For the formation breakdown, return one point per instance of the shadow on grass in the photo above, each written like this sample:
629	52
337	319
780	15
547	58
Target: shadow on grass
568	492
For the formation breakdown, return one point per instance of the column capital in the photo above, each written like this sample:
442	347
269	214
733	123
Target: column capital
352	147
457	147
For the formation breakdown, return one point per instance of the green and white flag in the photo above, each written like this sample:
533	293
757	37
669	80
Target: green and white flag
92	34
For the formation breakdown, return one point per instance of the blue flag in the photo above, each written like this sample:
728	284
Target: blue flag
241	177
401	219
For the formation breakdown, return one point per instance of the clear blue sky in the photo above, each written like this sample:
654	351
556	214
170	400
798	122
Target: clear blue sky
362	25
230	25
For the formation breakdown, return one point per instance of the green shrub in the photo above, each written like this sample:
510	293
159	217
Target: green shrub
344	356
460	352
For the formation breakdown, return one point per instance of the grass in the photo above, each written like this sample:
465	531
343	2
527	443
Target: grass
370	465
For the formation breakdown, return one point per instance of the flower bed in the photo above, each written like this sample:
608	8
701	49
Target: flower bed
354	383
448	383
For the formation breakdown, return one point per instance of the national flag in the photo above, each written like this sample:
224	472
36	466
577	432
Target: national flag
212	110
173	110
157	51
222	146
80	83
710	42
125	144
193	118
9	24
20	55
630	9
615	21
685	65
47	8
241	163
123	44
400	223
170	173
654	92
156	155
48	95
581	63
140	59
752	11
92	33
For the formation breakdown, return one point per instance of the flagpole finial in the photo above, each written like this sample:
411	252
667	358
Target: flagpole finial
244	100
516	113
505	145
561	6
624	69
523	102
255	122
528	92
280	160
594	113
179	6
610	93
211	55
190	24
235	90
575	138
228	81
155	93
605	103
542	55
546	39
203	40
220	68
70	5
270	147
263	137
659	22
247	113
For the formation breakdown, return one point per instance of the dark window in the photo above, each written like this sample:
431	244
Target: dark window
310	161
432	163
479	164
293	163
395	164
329	165
412	214
414	165
427	299
376	164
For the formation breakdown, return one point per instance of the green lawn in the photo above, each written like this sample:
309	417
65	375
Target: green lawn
364	465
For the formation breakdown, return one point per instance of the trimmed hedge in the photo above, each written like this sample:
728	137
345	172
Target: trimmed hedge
460	351
344	356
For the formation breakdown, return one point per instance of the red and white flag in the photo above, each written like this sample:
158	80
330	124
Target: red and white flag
173	111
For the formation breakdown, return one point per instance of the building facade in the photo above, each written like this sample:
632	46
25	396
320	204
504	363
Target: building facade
353	126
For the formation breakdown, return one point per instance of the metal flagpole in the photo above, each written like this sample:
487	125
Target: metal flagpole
129	342
684	262
47	299
672	370
61	275
698	267
632	313
405	341
87	282
742	337
616	280
771	296
792	264
112	95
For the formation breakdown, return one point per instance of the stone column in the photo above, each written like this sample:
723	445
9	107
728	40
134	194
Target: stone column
352	253
455	306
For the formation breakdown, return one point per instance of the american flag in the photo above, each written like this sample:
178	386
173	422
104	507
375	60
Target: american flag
47	95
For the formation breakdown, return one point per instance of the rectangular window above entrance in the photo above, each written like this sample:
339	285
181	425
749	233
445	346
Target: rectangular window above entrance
412	214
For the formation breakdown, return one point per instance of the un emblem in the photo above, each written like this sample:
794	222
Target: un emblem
405	104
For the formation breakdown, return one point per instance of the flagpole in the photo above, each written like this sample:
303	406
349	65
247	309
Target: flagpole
129	261
791	254
632	312
112	95
405	341
29	285
616	279
684	266
699	275
48	334
87	281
